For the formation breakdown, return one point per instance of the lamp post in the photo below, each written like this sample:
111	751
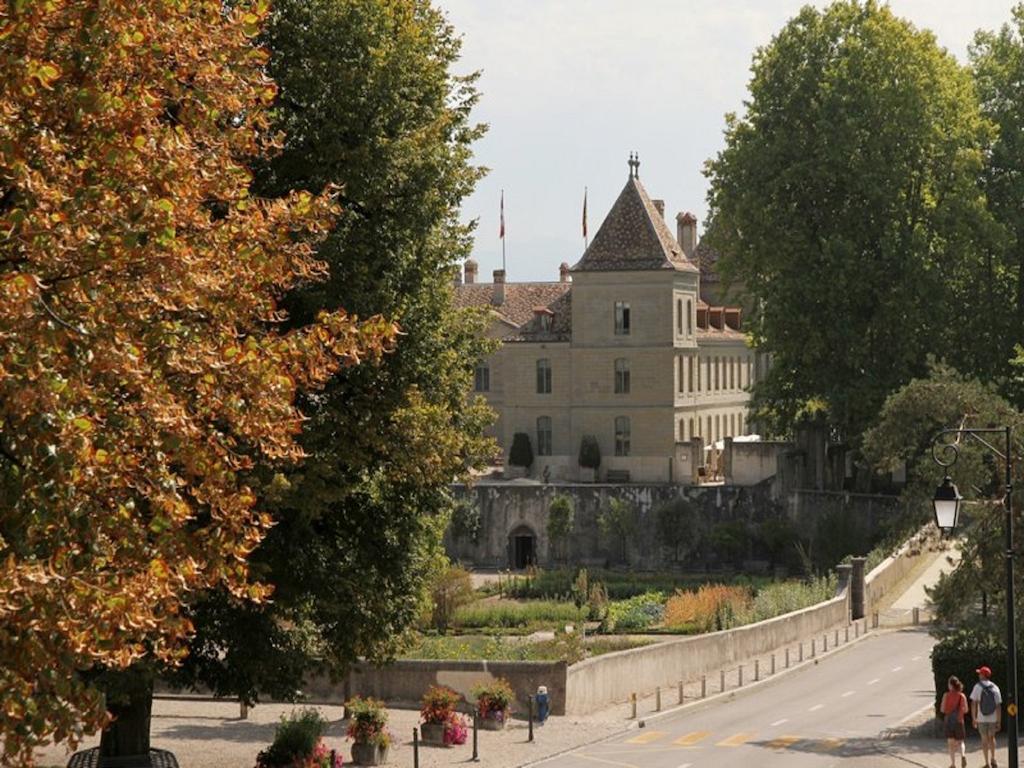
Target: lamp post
947	502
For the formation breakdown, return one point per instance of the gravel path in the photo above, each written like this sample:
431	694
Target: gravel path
210	734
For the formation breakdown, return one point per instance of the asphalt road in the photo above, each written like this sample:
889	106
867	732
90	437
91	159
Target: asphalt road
828	714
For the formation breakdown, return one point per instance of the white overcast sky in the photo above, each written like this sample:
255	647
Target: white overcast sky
570	87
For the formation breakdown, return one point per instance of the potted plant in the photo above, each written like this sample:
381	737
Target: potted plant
520	456
493	703
298	743
367	728
589	458
437	708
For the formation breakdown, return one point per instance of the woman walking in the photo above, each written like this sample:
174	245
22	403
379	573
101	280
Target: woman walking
954	707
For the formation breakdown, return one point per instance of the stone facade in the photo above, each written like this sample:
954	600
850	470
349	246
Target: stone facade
627	351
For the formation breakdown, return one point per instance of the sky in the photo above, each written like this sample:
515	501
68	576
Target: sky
571	87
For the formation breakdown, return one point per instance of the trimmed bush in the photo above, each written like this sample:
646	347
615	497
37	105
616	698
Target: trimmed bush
960	653
298	741
521	453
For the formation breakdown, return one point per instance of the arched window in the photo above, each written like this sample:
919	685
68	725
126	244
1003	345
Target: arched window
679	317
544	436
718	428
621	376
543	376
732	425
689	317
710	434
691	428
732	373
718	367
682	430
689	374
622	435
482	377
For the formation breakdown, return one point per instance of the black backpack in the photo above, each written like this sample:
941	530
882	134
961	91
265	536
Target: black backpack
987	705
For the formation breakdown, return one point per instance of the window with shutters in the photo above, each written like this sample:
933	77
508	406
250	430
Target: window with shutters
482	378
622	436
622	319
543	376
544	436
622	376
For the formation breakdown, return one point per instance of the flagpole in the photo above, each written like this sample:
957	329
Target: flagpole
502	231
586	235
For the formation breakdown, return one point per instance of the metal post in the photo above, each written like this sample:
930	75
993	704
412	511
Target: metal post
856	629
721	681
657	699
1011	629
476	751
787	658
703	686
681	693
415	748
814	650
740	677
917	615
632	700
874	620
824	643
847	634
757	670
801	657
773	665
836	643
243	710
530	737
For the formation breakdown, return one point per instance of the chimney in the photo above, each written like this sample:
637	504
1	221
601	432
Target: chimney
563	272
470	271
686	233
499	287
660	205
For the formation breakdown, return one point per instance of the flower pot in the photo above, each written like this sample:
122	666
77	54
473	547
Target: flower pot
369	754
433	734
494	721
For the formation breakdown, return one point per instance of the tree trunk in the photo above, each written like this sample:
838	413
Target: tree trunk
130	701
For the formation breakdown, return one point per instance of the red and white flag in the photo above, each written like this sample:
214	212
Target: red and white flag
501	231
584	213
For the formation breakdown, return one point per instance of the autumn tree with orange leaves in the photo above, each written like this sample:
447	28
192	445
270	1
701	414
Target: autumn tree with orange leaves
142	369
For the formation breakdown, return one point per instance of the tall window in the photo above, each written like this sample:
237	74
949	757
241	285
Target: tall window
680	377
621	318
544	436
621	376
732	373
717	380
710	435
622	435
689	375
679	317
682	430
691	427
689	317
543	376
718	428
482	377
732	425
696	362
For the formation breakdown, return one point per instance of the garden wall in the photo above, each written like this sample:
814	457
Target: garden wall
404	682
605	680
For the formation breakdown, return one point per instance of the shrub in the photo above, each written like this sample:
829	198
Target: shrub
438	704
298	743
561	517
590	453
617	522
963	651
635	614
450	590
368	721
679	527
597	602
521	452
730	541
494	699
773	600
712	607
465	522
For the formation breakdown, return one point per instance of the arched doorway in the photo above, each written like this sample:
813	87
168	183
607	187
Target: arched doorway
522	547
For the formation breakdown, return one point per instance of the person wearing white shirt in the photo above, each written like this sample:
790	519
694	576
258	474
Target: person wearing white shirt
987	712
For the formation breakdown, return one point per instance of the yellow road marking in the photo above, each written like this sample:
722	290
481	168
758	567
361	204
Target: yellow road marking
783	742
829	744
737	740
646	738
692	738
584	756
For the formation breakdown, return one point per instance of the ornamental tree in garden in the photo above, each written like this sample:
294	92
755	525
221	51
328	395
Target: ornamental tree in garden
142	366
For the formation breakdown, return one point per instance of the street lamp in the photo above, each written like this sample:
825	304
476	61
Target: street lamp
947	512
947	505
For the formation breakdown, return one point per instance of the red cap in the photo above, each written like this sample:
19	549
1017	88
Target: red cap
984	671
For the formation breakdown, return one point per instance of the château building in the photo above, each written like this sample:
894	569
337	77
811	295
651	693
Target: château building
623	347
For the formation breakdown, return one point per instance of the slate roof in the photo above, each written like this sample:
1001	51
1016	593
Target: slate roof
707	259
520	299
561	323
633	236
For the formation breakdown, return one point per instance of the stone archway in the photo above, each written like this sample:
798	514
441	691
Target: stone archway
522	547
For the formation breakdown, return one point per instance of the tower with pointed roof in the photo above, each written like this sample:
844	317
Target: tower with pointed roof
626	352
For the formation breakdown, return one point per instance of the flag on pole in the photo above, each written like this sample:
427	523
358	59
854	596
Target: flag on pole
501	231
584	213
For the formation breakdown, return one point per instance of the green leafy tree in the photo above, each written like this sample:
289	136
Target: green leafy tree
368	102
561	519
974	593
617	522
450	589
997	62
679	527
847	201
521	452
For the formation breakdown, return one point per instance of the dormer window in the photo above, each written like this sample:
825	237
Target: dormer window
545	318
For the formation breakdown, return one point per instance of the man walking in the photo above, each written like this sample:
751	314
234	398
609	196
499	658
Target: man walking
986	713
